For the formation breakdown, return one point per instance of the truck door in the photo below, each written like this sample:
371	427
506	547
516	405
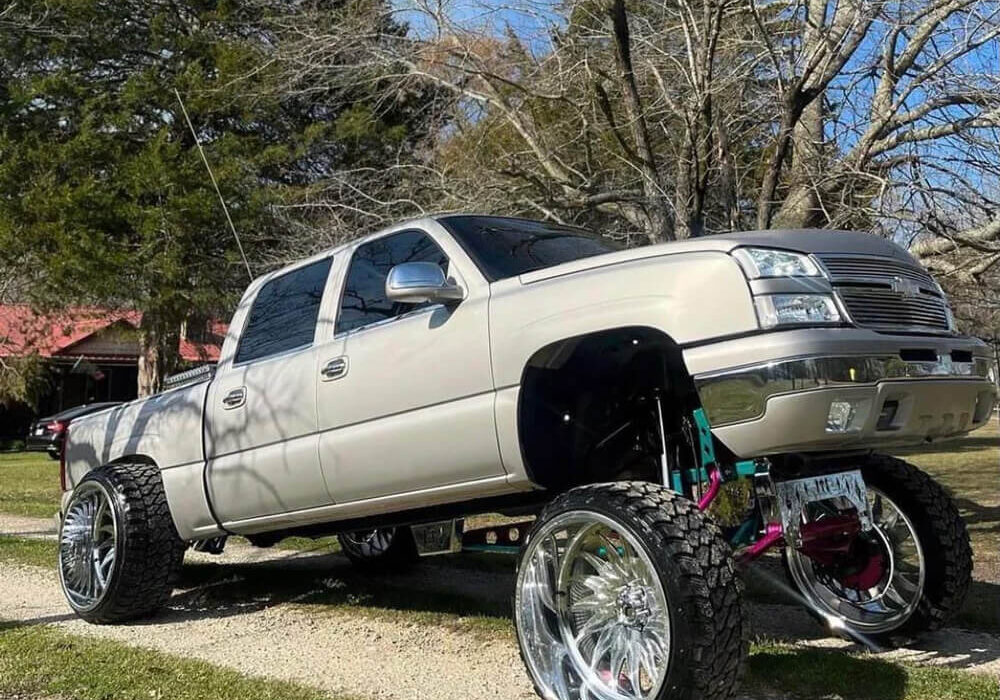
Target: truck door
260	416
405	402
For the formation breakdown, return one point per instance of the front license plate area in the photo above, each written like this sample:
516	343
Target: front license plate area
793	496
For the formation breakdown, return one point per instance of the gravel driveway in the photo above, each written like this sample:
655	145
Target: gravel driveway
241	610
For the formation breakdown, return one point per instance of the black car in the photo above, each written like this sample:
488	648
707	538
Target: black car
47	434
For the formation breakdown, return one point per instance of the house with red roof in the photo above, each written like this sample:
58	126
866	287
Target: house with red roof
92	353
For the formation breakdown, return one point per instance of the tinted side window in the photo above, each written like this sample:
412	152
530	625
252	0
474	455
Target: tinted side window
364	299
284	313
505	247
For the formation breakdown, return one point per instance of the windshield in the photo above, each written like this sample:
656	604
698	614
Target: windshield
503	247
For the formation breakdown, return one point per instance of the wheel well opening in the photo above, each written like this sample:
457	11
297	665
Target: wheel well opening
589	407
134	459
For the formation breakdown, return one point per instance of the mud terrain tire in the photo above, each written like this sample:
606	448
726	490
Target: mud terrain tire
944	542
708	627
148	551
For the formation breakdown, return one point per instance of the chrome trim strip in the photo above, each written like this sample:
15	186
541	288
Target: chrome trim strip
741	394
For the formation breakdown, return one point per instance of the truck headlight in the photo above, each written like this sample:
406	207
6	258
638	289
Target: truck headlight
758	263
788	309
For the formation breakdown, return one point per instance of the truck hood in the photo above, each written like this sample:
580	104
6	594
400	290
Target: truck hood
800	240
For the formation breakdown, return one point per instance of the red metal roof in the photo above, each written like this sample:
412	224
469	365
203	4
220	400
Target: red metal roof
23	331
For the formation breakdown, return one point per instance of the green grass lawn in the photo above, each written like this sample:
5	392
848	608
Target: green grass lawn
969	468
31	551
29	484
816	673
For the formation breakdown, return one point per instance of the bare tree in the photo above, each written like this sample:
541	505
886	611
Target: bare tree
672	118
879	101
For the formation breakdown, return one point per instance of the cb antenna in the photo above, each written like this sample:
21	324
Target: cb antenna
215	184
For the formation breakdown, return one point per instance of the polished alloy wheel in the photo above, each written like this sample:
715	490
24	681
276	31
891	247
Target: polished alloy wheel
591	611
88	546
883	602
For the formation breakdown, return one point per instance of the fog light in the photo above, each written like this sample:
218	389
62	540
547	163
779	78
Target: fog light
846	416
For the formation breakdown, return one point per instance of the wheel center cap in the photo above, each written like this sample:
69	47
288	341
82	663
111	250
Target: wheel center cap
633	605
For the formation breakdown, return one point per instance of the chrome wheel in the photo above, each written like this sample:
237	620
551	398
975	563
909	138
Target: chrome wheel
88	546
886	592
591	611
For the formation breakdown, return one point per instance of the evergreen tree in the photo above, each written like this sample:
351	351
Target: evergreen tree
104	198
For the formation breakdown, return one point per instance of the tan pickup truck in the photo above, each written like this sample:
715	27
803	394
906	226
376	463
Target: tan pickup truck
464	364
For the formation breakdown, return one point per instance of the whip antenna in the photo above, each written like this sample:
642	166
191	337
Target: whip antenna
215	184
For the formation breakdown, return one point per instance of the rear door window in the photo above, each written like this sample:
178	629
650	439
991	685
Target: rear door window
284	314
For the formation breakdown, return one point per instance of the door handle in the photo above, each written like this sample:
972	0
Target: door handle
334	369
235	398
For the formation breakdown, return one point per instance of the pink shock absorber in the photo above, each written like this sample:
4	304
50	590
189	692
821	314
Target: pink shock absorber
714	482
773	534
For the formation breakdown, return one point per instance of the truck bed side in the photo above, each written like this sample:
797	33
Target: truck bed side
166	429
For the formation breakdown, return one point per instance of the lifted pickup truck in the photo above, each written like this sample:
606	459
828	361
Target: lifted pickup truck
466	364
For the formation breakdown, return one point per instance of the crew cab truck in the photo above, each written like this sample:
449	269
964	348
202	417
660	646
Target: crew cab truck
464	364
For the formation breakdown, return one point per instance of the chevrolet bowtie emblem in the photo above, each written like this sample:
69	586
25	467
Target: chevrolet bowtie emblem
904	287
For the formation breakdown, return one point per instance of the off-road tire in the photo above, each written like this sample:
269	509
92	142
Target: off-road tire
709	624
944	541
149	553
400	555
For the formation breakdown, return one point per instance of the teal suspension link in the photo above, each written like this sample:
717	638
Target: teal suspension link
706	456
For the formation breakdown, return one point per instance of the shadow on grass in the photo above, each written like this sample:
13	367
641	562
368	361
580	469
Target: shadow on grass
827	674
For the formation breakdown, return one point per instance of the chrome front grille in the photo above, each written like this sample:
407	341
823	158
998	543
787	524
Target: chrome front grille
887	293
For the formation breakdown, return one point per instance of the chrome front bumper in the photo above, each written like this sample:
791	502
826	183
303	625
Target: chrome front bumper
894	393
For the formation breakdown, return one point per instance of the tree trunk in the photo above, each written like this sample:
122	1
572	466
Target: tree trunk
159	344
803	207
150	366
660	222
728	179
772	174
689	193
800	131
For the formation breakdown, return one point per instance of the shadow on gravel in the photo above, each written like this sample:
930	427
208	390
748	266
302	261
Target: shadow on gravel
32	621
217	590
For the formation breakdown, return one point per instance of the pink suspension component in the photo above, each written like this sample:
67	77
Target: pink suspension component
714	482
773	534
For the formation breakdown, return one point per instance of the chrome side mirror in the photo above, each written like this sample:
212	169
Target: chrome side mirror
419	282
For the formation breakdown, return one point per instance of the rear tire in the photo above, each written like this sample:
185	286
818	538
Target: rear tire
943	545
383	550
119	552
633	573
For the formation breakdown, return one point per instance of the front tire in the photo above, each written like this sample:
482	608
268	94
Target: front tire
119	551
924	553
626	590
